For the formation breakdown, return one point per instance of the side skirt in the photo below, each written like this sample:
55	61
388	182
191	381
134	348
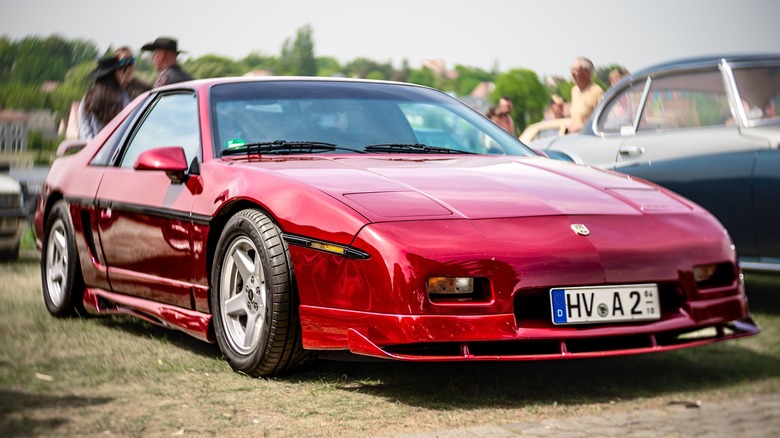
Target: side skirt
194	323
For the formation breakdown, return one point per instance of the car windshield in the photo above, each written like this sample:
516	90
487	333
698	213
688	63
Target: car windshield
353	117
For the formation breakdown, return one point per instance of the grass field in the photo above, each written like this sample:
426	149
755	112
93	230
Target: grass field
123	377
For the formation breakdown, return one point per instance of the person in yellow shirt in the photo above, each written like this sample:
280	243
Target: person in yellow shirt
585	94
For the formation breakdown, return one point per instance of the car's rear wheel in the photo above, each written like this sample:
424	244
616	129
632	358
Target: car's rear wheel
63	285
254	305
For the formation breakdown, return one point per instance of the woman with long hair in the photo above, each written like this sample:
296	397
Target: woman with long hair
106	97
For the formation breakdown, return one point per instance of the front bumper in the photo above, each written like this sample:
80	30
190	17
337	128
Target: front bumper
498	337
13	223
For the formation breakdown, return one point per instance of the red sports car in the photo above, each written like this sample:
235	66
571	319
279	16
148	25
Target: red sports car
286	217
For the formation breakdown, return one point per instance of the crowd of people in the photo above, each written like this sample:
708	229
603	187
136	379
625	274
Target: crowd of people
115	85
585	96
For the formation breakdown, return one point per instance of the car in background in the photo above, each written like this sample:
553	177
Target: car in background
286	217
545	129
707	128
13	217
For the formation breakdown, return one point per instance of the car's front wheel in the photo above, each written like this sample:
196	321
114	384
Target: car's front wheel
254	305
63	285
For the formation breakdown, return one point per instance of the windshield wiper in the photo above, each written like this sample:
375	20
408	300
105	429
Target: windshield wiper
285	147
415	148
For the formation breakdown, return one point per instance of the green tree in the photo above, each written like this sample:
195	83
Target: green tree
298	56
39	59
258	61
72	89
22	96
423	76
213	66
7	55
528	95
562	88
363	67
328	66
469	78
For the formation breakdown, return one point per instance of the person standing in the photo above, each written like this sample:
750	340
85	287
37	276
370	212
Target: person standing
616	74
556	109
502	115
135	87
585	94
105	98
164	53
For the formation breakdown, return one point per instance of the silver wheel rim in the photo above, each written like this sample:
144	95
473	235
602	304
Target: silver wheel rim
57	263
242	292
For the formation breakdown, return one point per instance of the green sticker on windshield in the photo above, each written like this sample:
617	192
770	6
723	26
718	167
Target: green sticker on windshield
234	143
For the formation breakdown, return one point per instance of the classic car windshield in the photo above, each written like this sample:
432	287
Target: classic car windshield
352	115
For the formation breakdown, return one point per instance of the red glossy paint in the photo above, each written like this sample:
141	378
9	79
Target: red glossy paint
146	246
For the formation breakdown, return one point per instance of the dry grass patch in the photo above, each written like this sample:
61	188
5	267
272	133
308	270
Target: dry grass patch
121	376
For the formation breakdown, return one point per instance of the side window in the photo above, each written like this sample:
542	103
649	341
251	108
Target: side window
759	91
107	152
172	121
686	101
622	110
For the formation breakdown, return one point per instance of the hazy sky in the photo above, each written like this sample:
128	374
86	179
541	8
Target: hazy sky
541	35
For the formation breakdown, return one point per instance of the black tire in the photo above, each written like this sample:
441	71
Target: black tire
62	283
254	303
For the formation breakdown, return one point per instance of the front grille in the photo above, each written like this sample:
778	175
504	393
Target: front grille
10	201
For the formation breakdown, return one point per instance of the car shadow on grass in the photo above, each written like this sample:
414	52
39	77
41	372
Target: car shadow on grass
445	386
14	402
135	326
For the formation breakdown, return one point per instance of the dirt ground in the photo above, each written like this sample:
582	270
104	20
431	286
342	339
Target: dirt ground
122	377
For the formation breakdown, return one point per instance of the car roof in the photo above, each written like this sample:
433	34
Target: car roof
702	61
196	83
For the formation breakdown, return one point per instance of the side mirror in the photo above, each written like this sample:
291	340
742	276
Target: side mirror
170	160
70	147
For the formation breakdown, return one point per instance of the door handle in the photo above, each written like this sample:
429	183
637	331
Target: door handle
631	150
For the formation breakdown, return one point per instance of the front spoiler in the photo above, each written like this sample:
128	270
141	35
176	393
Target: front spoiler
360	344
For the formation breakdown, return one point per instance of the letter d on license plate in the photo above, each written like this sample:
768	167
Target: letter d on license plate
597	304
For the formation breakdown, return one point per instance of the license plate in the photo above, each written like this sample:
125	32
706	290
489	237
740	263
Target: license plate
597	304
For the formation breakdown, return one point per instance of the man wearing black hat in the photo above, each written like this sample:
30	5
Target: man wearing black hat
164	53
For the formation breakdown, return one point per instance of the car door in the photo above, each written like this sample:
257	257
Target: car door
143	217
615	120
766	193
684	114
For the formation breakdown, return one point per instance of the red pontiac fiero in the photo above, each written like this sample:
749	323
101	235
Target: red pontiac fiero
286	217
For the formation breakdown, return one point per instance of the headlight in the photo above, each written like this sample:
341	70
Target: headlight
450	285
714	275
442	290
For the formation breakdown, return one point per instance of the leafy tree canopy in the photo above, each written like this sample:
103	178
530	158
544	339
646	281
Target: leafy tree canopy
529	97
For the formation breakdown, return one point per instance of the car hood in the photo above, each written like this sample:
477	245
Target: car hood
479	187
